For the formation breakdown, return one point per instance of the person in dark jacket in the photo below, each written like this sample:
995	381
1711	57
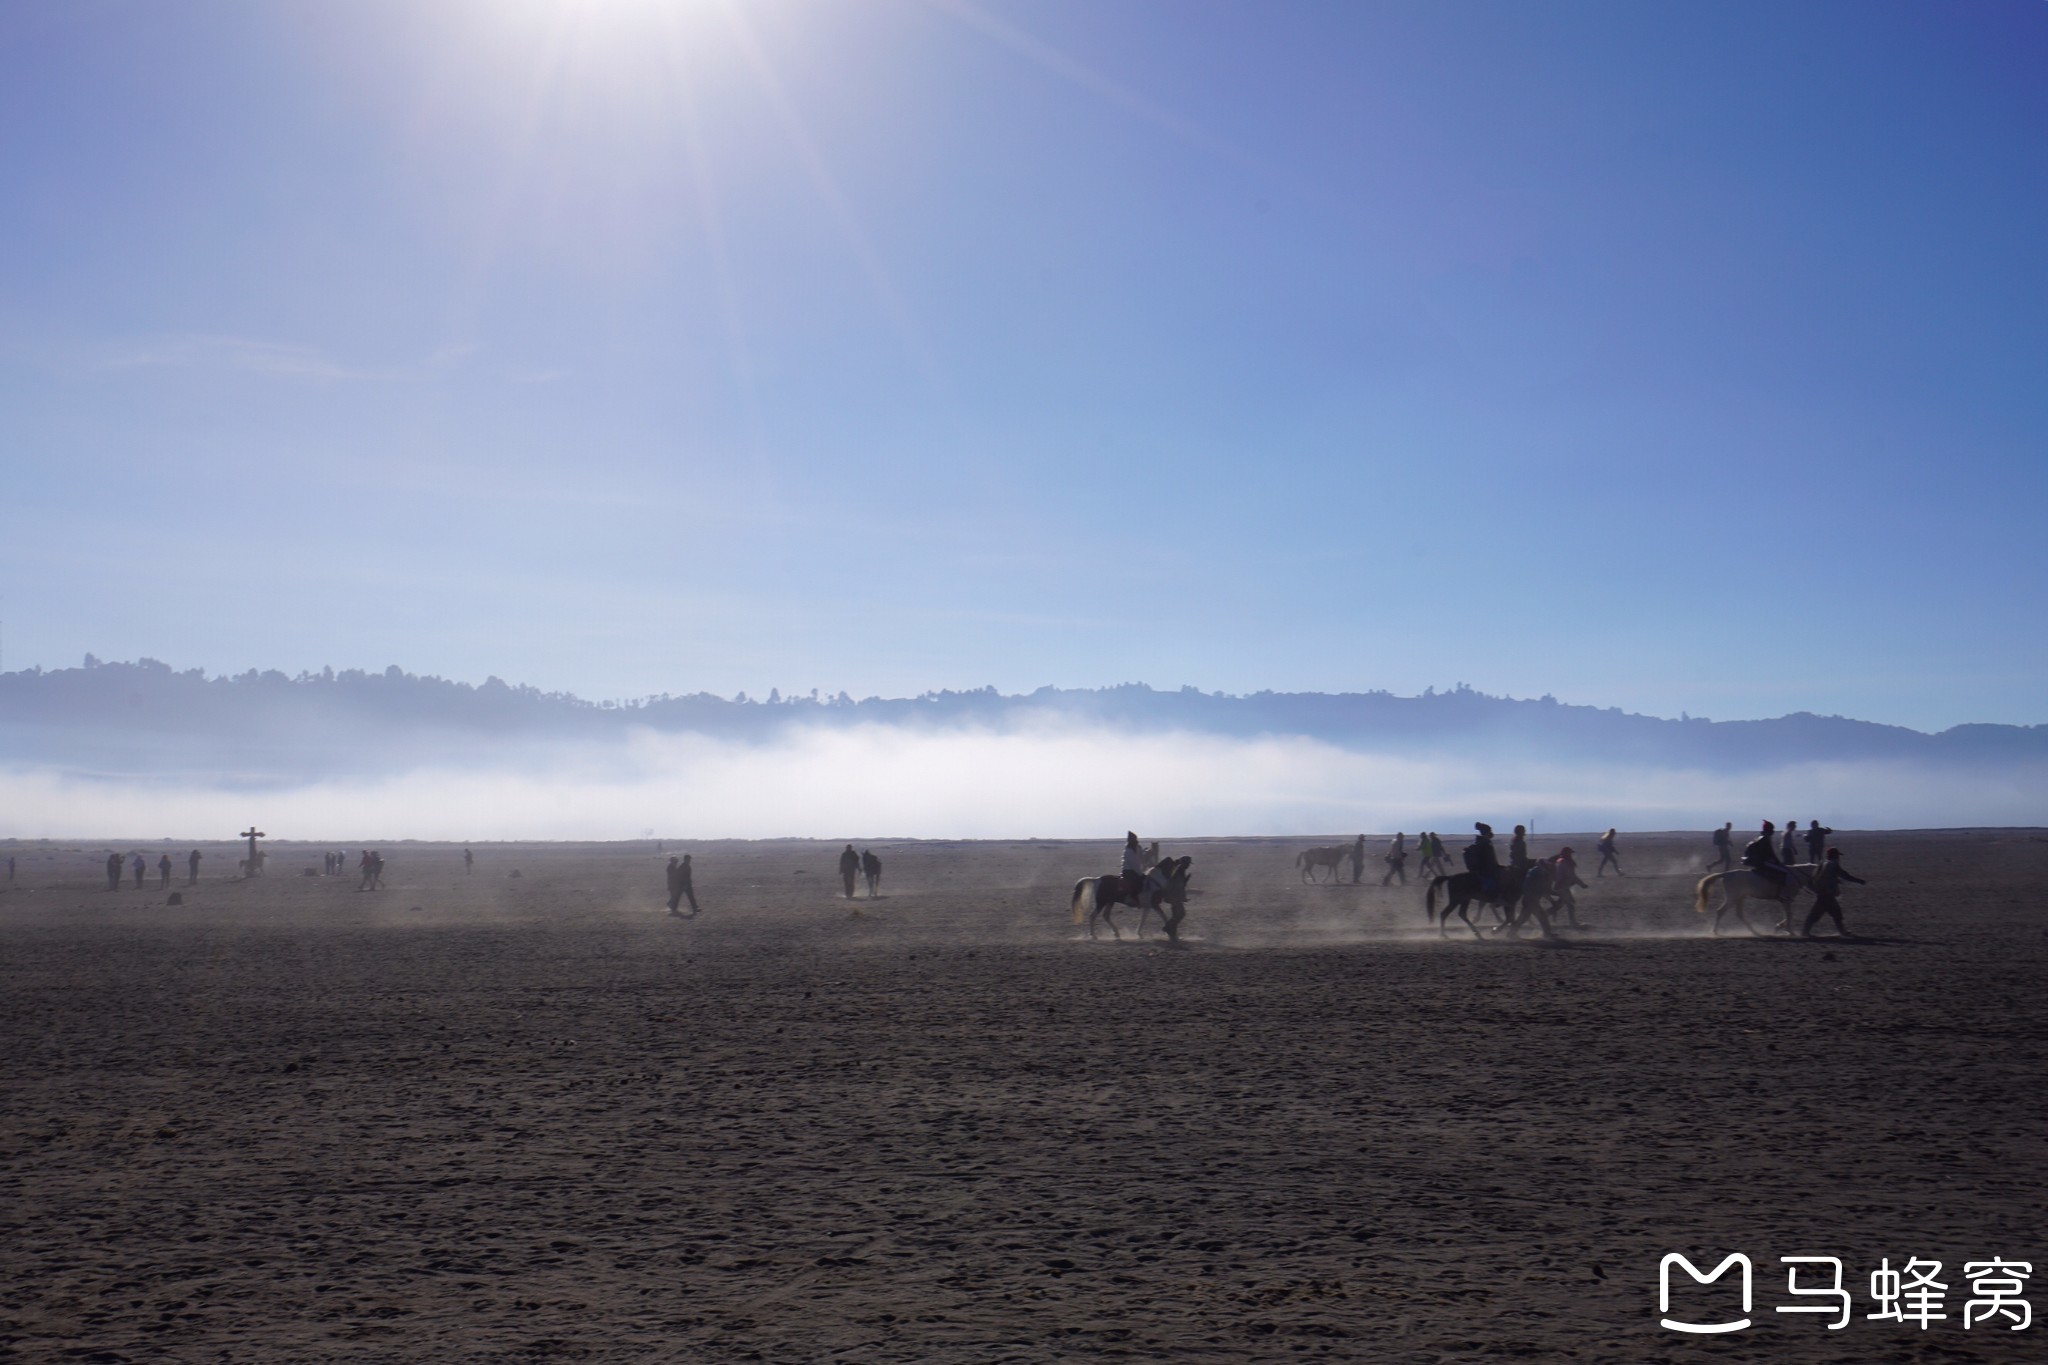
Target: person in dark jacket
1480	857
1724	847
849	868
1761	855
1827	890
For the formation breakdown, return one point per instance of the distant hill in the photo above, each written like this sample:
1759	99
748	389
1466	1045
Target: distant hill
144	717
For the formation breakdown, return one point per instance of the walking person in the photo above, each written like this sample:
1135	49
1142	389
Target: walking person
871	872
138	865
1608	855
1827	890
1564	876
1358	861
163	870
849	868
686	886
1397	859
468	863
1816	840
1788	851
113	872
1724	847
675	886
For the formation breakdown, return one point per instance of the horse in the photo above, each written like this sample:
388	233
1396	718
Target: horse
871	869
1464	889
1745	884
1312	858
1165	888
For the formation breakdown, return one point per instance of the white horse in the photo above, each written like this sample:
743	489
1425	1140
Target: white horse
1745	884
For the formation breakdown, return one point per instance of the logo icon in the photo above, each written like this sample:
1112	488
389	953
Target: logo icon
1703	1328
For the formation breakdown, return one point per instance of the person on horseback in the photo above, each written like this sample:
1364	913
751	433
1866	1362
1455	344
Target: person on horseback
1134	867
1761	855
1481	858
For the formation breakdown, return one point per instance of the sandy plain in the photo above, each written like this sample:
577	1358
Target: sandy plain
534	1118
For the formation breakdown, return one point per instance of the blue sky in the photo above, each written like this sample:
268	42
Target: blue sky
1667	357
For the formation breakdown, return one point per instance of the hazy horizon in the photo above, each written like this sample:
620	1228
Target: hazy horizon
389	755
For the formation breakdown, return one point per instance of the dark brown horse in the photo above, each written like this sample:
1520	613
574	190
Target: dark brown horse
1164	892
1463	890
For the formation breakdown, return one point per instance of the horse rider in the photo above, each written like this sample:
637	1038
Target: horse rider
1518	850
1481	858
1134	867
1761	856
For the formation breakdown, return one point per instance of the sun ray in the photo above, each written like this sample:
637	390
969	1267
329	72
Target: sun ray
1044	55
827	187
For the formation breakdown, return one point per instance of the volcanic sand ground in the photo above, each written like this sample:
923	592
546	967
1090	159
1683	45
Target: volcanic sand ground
533	1117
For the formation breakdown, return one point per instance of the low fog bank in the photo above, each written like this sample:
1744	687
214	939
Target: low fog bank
880	781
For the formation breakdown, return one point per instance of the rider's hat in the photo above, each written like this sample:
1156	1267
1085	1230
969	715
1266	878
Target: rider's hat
1482	827
1834	853
1769	825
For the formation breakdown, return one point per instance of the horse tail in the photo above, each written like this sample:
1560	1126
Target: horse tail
1429	897
1699	904
1080	887
1301	858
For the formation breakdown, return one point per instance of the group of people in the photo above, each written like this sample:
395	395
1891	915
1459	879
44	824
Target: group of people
139	865
1773	857
1483	860
1784	852
863	864
1479	856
